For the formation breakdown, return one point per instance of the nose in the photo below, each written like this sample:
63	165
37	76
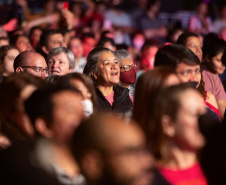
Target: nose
63	44
193	78
114	66
44	75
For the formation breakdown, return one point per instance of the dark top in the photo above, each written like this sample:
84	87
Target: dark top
122	102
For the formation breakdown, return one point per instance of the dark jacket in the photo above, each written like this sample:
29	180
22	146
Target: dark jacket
122	102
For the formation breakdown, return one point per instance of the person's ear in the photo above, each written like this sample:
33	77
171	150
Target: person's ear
92	164
94	75
44	48
71	69
168	126
41	127
207	58
19	70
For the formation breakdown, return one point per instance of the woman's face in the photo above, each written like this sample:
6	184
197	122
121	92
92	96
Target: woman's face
185	132
8	61
216	64
108	70
23	44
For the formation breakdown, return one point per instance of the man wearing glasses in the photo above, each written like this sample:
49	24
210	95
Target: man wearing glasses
31	62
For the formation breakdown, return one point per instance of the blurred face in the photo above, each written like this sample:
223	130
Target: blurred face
109	46
108	70
203	8
23	44
138	41
188	73
127	160
67	115
55	40
8	61
88	45
35	37
193	43
76	47
59	64
187	134
216	64
34	65
82	88
149	56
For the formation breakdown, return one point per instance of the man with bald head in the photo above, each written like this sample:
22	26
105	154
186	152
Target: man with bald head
31	62
111	151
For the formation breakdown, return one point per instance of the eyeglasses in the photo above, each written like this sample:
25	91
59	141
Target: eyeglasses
189	72
37	69
128	67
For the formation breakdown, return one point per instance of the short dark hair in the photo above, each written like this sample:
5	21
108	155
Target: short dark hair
172	55
212	46
182	39
40	103
104	40
44	39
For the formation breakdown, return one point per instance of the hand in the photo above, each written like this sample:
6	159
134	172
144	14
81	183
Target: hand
69	17
11	25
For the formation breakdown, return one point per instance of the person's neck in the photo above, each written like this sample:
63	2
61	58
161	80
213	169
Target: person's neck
178	158
106	90
65	160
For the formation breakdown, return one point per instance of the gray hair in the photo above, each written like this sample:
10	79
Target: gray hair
122	54
58	50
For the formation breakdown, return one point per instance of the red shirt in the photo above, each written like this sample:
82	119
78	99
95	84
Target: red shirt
190	176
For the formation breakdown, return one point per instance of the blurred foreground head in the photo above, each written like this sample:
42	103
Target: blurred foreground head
112	151
55	112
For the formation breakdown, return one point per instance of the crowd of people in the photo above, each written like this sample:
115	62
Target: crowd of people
92	94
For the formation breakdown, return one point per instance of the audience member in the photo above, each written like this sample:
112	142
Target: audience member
75	45
200	23
14	90
30	62
118	156
8	54
103	68
56	112
174	136
21	42
128	70
86	87
147	88
220	23
212	83
151	25
50	39
60	61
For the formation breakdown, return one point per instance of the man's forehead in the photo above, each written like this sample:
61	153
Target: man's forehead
186	66
36	60
56	36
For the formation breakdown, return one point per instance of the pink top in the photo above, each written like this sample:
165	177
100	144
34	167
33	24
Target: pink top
190	176
214	85
110	98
